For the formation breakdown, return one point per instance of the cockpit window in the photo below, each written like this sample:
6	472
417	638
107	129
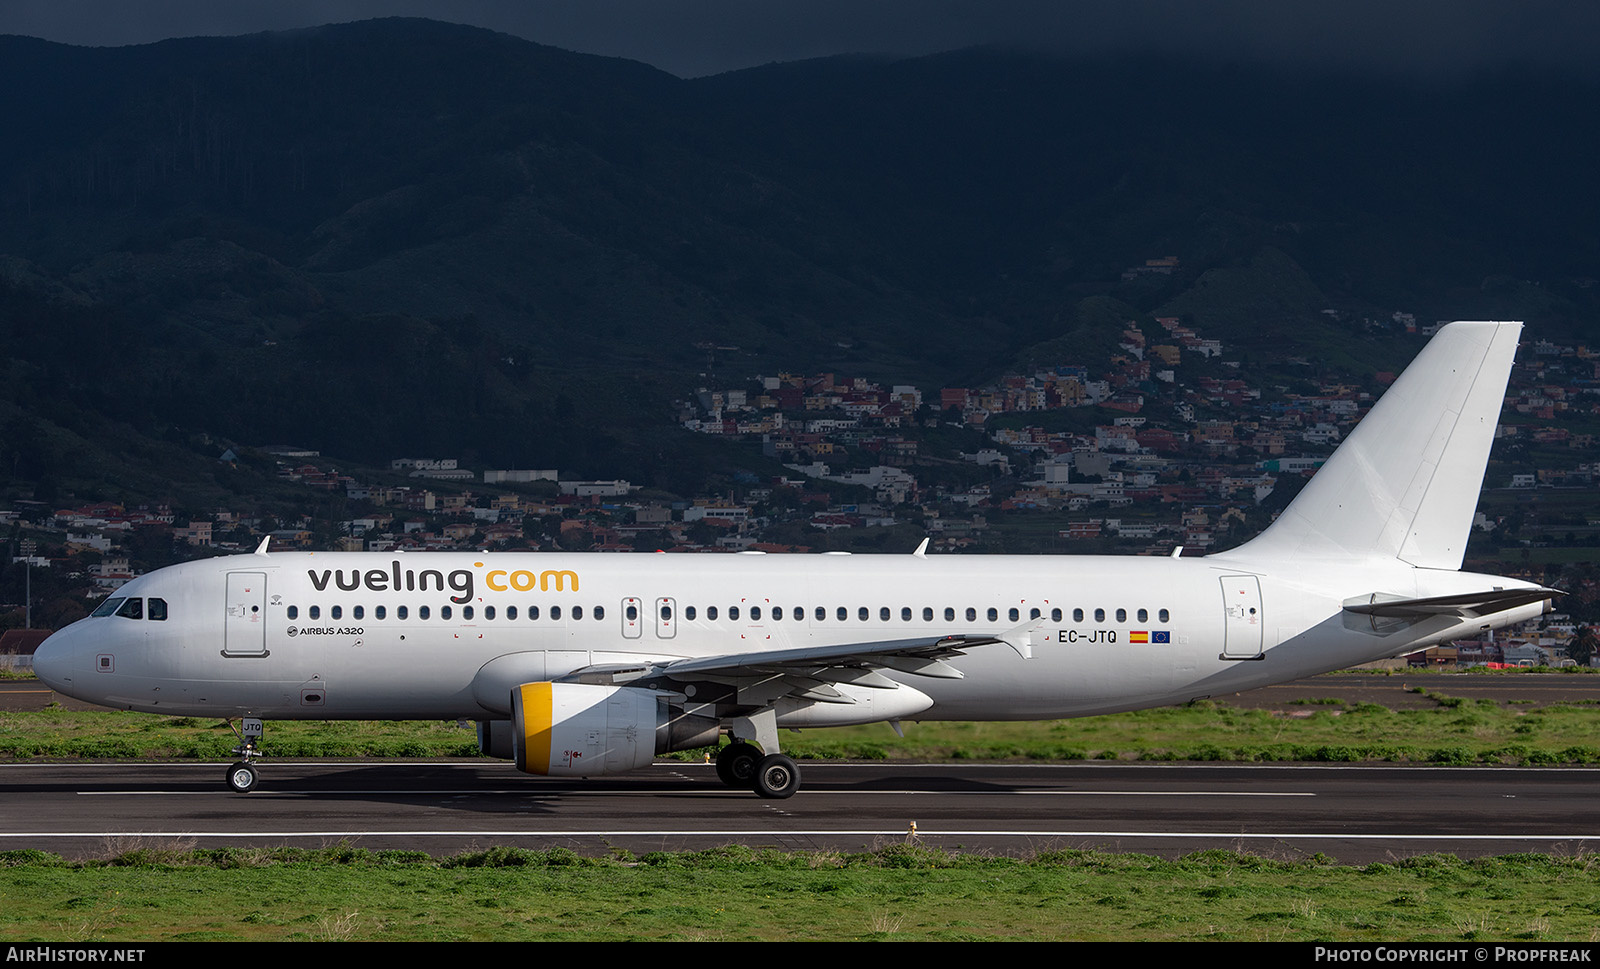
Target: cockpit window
158	609
109	607
133	608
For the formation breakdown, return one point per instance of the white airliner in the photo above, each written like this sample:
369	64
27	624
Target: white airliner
586	664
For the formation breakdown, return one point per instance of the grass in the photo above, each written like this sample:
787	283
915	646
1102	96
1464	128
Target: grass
898	892
1326	729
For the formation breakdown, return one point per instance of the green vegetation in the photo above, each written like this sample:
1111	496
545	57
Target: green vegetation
123	735
1452	731
897	892
1457	731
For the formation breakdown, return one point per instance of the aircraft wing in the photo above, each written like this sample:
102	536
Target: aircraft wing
1468	605
811	672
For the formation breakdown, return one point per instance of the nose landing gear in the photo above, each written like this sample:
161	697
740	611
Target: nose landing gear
241	777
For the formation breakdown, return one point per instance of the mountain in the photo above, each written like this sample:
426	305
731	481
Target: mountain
401	236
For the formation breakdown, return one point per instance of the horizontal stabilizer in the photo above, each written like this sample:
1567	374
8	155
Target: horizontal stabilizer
1469	605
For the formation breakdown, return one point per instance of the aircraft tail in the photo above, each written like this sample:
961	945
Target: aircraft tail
1405	483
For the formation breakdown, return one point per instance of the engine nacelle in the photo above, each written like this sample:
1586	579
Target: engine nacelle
581	729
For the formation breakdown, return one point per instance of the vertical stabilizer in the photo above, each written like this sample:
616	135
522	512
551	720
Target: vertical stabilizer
1405	483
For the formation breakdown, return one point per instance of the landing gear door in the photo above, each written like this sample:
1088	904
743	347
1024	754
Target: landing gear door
244	632
1241	602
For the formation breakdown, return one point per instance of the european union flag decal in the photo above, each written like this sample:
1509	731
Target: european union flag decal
1160	636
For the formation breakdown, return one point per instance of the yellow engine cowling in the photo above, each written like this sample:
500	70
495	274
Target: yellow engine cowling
582	729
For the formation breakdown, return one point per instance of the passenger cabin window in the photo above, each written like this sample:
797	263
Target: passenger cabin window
599	612
315	612
1163	615
337	612
294	612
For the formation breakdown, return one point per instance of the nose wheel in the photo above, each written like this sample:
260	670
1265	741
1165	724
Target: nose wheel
242	776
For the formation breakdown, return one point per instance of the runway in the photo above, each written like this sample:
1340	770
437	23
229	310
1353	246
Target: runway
1354	814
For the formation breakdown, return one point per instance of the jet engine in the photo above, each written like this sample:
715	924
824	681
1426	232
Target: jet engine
582	729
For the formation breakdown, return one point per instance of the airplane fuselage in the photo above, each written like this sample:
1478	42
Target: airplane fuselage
408	636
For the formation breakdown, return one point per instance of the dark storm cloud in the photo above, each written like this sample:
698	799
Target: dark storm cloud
695	37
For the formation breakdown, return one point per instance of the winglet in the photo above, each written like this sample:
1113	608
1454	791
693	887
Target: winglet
1020	638
262	548
922	550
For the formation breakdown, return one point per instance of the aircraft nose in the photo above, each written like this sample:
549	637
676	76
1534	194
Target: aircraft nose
53	660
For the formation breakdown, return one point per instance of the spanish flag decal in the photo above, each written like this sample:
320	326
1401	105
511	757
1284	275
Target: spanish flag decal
1138	636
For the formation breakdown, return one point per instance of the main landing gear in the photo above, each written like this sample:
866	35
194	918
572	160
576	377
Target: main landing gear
241	777
742	764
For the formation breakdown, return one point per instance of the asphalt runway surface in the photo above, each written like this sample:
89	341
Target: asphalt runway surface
1354	814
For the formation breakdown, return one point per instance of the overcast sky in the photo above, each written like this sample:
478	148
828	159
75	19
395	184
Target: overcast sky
695	37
